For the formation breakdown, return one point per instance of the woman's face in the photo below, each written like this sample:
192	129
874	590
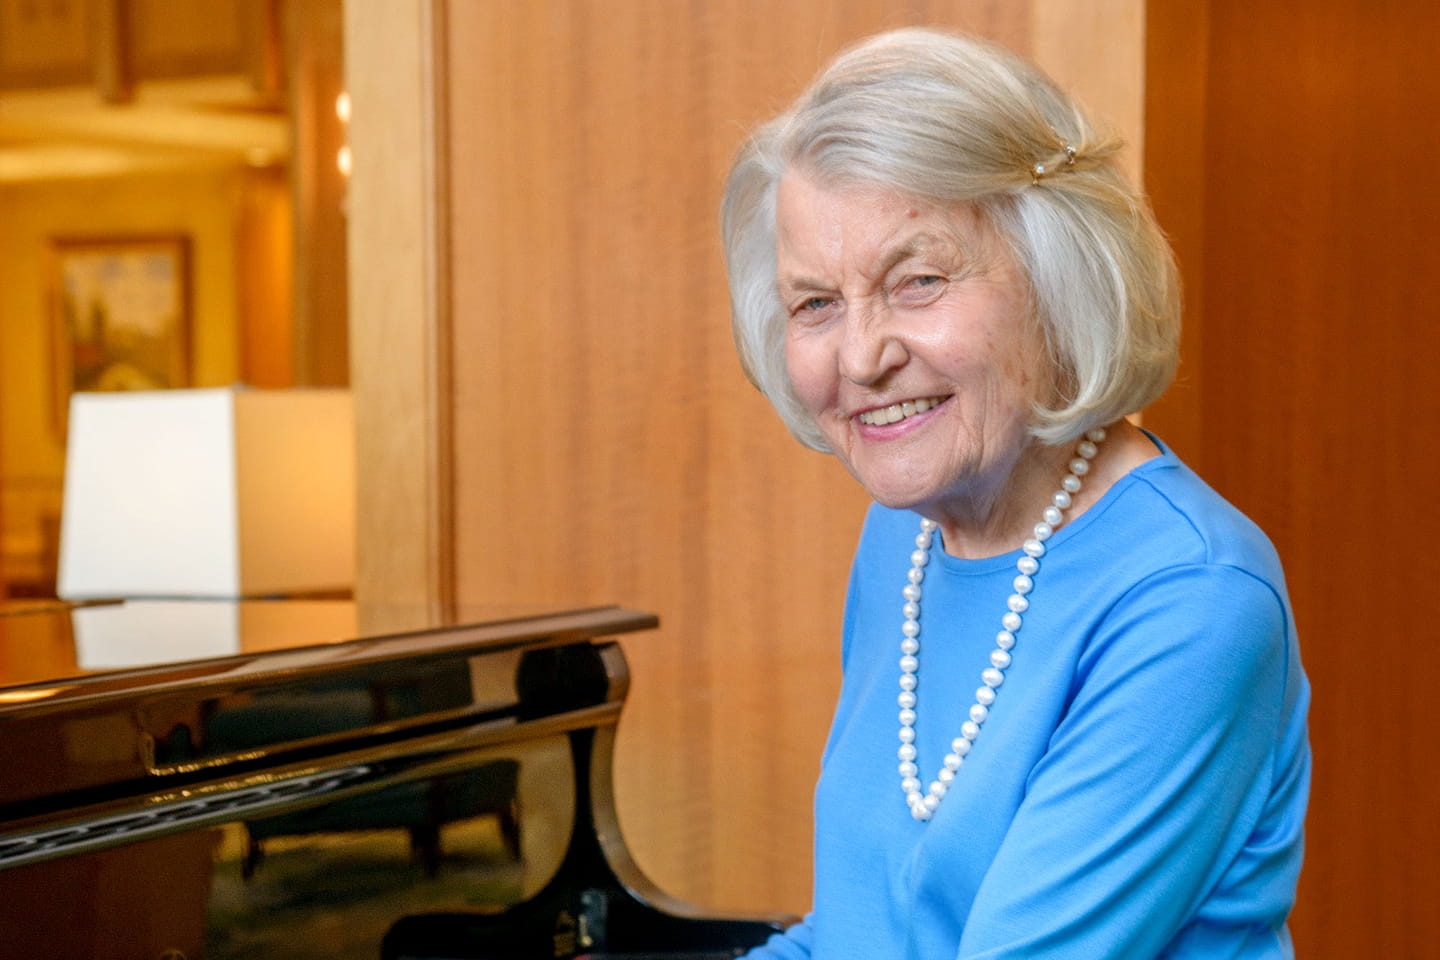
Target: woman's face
909	341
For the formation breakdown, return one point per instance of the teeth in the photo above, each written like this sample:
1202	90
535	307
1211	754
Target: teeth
898	411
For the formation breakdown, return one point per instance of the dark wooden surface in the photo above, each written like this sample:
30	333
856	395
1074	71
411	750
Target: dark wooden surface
1290	148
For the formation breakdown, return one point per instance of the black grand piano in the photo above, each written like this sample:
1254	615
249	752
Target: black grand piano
298	779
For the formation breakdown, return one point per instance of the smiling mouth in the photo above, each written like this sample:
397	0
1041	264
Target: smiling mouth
896	412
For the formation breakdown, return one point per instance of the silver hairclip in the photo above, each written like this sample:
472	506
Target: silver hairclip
1037	172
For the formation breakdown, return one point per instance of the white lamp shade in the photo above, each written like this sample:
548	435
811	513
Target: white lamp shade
208	493
115	636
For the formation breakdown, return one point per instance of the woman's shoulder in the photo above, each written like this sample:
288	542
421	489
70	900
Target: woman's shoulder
1160	514
1185	571
1165	507
1175	498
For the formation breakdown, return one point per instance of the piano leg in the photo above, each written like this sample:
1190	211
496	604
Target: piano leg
597	904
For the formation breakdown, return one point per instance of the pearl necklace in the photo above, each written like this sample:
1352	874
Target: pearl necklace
923	805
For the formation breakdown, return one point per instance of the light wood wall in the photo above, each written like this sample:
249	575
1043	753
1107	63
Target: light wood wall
398	295
550	408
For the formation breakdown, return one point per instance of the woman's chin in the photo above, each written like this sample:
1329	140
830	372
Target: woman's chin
897	496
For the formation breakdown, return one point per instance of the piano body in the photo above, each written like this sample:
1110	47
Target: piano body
295	779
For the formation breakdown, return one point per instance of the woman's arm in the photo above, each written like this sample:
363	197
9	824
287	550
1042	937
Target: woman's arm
1155	794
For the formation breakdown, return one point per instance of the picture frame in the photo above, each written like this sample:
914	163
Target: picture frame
121	313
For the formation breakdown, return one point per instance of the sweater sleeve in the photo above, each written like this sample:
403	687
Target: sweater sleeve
1153	783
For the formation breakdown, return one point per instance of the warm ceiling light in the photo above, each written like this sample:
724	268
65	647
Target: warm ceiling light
342	160
342	107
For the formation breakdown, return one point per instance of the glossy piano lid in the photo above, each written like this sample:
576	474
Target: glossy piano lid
51	649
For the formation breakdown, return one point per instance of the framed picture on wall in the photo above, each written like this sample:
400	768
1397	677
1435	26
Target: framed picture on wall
121	310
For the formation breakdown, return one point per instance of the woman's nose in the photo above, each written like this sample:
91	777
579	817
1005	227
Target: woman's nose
871	347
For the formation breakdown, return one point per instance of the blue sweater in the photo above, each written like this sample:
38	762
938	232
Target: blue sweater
1139	788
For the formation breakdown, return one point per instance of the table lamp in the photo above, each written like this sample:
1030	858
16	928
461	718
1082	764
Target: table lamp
226	493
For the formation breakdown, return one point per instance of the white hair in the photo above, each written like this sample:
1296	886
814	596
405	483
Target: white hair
948	119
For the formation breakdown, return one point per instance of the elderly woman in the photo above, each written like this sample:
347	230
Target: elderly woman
1072	722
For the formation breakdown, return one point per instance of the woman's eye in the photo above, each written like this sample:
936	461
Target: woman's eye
922	287
811	307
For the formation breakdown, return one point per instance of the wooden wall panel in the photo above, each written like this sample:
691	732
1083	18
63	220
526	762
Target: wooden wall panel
266	271
398	295
606	446
321	337
1314	404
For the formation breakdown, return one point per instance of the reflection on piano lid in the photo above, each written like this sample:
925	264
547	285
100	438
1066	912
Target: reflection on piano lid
141	634
162	735
254	711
